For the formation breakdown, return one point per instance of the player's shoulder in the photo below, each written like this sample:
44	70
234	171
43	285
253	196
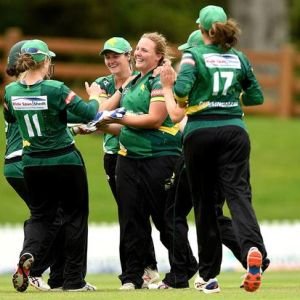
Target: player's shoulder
242	57
11	85
53	83
196	50
239	53
105	79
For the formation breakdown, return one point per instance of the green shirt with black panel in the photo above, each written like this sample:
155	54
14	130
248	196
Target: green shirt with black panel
13	166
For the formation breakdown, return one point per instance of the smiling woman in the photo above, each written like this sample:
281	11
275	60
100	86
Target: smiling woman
117	58
150	145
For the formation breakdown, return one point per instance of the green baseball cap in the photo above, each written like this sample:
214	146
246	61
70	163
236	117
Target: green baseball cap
211	14
14	52
195	39
37	49
116	44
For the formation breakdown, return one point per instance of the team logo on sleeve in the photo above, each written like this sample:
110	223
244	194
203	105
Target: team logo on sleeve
106	82
70	97
29	102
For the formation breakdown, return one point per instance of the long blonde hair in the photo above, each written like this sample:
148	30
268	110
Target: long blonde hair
224	34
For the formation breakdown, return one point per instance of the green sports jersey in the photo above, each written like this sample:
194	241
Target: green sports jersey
13	169
41	112
141	143
13	166
212	83
110	142
14	142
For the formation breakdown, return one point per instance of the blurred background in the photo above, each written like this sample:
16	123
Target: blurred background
265	23
76	31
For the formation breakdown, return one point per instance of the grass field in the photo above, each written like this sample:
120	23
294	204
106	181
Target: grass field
275	176
275	286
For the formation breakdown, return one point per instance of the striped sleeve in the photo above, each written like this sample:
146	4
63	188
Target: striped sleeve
157	94
186	78
187	59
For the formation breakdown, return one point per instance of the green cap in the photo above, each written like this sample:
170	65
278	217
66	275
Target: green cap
37	49
116	44
195	39
14	52
211	14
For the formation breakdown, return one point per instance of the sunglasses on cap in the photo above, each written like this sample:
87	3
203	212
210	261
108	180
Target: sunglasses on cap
33	51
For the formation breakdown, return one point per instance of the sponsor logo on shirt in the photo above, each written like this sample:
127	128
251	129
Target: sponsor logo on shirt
218	60
222	104
210	104
29	102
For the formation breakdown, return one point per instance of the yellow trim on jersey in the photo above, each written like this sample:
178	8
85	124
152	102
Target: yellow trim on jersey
102	97
192	109
157	99
241	97
181	99
123	150
171	130
26	143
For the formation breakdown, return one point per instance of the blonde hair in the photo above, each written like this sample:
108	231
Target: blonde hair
161	46
25	62
224	34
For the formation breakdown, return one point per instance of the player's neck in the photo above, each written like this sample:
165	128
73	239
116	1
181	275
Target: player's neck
121	78
32	77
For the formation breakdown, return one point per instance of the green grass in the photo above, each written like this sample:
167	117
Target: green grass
275	176
275	286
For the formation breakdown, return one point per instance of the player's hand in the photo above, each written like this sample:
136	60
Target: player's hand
83	129
93	89
167	76
157	70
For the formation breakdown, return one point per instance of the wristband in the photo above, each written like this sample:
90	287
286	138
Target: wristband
120	90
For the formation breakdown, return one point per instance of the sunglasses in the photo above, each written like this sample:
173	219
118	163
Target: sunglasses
33	51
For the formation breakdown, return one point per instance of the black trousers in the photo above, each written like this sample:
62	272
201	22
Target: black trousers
110	162
51	188
183	263
219	157
19	185
51	250
179	204
142	188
